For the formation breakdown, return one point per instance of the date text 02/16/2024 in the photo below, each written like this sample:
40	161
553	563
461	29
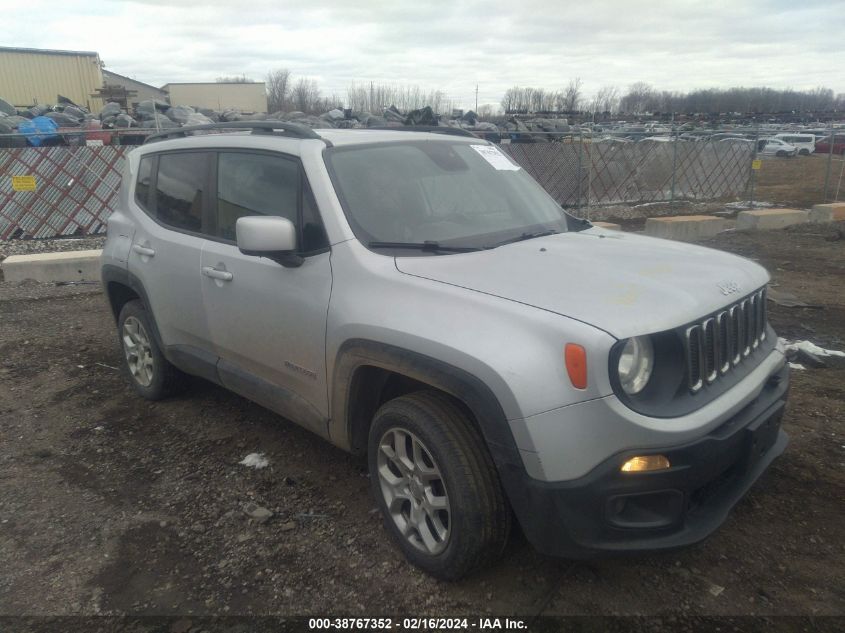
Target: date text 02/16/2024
417	624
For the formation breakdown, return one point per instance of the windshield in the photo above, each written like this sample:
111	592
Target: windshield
454	194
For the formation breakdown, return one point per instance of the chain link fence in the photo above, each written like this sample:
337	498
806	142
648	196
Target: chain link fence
580	172
75	188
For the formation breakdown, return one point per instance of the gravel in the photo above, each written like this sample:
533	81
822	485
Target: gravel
29	247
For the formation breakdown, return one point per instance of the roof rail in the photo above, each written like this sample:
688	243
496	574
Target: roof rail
435	129
294	130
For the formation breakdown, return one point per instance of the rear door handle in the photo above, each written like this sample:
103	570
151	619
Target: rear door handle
214	273
143	250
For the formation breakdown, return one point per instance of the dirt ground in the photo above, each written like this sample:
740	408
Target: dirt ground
113	505
799	182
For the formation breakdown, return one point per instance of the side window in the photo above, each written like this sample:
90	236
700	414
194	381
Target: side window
142	184
261	184
180	187
254	184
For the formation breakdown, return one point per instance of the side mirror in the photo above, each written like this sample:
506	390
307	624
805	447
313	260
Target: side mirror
268	236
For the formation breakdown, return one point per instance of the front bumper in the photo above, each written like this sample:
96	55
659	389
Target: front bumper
610	511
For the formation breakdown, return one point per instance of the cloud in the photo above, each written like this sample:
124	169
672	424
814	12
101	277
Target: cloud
452	46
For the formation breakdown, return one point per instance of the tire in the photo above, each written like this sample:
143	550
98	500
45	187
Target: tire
448	481
152	375
781	154
804	152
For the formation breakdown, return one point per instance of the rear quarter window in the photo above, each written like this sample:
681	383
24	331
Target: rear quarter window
143	182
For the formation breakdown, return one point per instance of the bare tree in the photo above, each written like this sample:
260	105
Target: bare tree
487	111
373	97
278	89
306	95
243	79
606	99
639	99
508	99
572	95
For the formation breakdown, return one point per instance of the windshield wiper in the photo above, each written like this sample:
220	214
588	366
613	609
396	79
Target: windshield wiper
523	237
428	245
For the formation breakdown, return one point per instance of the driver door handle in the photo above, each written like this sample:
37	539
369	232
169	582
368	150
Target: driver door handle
143	250
214	273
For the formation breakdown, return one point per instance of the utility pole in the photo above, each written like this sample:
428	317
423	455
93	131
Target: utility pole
476	98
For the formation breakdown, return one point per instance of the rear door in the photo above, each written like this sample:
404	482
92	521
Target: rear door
172	200
267	322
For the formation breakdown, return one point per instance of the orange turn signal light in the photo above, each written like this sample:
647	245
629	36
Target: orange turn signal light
576	365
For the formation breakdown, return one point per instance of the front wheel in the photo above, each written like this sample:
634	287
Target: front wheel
436	485
781	154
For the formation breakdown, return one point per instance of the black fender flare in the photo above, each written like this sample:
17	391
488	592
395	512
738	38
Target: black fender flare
465	387
111	274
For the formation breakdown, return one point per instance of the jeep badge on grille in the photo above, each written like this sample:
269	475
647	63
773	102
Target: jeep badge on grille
728	287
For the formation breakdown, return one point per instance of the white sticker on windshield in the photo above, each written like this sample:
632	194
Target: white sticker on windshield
495	157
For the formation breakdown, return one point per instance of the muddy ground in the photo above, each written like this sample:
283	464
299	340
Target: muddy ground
113	505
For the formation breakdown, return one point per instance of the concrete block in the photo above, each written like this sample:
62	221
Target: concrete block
608	225
50	267
685	227
820	214
837	210
769	219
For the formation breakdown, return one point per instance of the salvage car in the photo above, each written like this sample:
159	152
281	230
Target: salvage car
417	299
823	145
804	143
776	147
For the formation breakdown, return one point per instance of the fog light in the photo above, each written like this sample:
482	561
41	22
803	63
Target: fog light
644	463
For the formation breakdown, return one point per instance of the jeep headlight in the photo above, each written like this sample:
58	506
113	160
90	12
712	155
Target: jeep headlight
635	364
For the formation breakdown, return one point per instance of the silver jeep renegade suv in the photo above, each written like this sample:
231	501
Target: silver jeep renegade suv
416	298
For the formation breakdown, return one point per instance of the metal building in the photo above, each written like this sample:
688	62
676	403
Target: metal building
246	97
142	91
31	75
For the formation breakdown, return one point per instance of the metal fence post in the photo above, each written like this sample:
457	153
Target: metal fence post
580	150
589	173
753	171
829	164
674	168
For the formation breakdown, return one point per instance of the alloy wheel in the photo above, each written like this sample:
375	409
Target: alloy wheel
138	350
414	490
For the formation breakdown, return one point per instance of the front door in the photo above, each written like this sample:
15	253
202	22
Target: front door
268	323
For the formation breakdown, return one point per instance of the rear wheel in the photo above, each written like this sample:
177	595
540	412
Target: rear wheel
150	372
804	152
436	485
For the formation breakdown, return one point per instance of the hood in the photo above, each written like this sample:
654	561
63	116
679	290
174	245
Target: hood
622	283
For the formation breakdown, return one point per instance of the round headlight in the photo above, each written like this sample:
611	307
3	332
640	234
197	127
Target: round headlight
635	364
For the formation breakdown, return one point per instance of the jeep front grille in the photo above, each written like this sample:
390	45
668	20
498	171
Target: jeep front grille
720	342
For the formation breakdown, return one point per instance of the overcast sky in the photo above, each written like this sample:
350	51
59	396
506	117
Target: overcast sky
451	46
